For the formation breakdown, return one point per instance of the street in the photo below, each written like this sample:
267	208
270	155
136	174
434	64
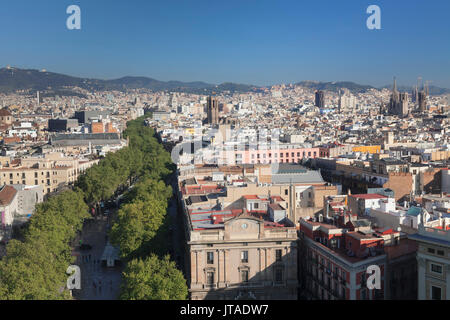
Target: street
97	282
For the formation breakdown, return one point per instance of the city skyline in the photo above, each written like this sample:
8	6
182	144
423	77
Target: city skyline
259	43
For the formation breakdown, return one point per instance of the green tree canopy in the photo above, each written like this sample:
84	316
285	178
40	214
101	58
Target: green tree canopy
153	279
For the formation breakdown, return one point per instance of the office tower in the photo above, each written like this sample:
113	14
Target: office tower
213	110
38	98
340	101
422	101
346	101
320	99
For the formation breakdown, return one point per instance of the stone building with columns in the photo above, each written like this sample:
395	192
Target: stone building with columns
433	259
241	256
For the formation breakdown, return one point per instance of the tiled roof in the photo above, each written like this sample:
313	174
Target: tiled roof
7	194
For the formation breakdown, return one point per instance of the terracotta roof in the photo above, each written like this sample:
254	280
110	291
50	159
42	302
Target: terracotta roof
7	195
4	112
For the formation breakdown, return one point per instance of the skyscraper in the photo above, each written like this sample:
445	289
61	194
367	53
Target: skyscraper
320	99
422	101
213	110
38	98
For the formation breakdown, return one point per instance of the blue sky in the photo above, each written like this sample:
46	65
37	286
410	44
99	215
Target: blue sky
246	41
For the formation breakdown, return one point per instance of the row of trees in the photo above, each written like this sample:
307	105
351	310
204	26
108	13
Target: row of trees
141	229
35	267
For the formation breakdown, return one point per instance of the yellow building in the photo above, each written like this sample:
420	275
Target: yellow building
51	171
367	149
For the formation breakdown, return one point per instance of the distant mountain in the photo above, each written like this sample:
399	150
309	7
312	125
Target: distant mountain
13	79
50	83
335	86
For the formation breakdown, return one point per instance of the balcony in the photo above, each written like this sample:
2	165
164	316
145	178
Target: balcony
250	284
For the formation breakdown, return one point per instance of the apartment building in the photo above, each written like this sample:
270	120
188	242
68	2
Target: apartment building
335	260
50	171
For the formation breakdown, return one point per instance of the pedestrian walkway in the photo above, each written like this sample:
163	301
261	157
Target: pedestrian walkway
98	282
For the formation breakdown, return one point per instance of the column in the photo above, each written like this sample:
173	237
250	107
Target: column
194	275
447	267
421	285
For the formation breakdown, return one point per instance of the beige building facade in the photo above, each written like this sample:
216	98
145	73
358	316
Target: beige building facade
244	260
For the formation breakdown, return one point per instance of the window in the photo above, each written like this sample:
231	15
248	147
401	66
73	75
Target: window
436	293
210	257
244	256
278	275
244	275
431	250
337	271
436	268
286	192
278	254
256	205
440	252
210	277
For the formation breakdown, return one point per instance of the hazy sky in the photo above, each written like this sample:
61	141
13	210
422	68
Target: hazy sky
246	41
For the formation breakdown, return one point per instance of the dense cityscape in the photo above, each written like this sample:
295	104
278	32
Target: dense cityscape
224	159
284	192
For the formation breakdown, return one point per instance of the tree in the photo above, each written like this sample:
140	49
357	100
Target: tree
153	279
137	223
